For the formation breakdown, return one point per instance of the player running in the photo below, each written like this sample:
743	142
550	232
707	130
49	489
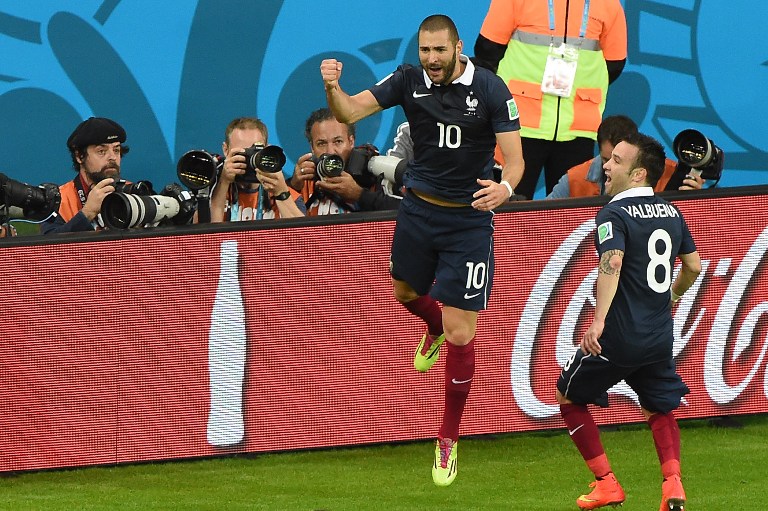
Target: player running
638	237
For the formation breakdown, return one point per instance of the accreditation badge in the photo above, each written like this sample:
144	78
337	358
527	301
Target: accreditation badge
560	71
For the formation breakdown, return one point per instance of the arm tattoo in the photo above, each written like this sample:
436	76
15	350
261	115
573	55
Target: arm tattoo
605	262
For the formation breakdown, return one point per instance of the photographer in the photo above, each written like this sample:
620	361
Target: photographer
344	193
96	147
588	179
241	193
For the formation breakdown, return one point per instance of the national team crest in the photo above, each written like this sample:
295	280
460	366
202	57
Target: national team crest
512	109
604	232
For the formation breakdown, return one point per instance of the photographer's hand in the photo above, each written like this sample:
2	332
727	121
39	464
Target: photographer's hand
303	171
92	206
234	165
344	186
692	183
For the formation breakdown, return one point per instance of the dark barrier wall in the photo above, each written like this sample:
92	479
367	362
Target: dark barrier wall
155	346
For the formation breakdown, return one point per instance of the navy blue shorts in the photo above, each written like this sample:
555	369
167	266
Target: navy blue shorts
446	252
585	379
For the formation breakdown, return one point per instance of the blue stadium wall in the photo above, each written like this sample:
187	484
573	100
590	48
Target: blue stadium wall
174	73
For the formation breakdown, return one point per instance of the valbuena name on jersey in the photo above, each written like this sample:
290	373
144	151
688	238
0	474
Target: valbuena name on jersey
650	211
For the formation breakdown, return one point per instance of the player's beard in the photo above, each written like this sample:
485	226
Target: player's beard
448	70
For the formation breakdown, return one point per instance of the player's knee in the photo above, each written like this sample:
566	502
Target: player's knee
561	399
403	292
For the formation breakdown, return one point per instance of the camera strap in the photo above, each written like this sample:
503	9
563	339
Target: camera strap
82	189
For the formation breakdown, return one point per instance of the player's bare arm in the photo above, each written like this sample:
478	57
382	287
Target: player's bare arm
608	272
347	109
494	194
689	272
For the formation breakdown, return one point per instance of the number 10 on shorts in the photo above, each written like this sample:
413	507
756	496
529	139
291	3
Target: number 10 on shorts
476	273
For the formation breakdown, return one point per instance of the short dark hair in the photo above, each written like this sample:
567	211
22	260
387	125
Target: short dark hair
246	123
320	115
650	156
438	22
614	129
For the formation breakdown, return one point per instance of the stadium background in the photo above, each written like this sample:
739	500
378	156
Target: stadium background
174	73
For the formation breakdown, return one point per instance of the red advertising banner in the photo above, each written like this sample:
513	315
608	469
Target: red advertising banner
205	344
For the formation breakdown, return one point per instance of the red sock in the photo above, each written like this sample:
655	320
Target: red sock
459	370
666	436
586	436
427	309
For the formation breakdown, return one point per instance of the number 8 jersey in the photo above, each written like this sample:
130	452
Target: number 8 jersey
651	232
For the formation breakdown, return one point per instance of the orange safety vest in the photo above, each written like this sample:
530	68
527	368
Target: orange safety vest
70	201
524	26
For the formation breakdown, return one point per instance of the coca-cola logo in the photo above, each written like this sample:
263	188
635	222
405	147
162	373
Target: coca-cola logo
720	324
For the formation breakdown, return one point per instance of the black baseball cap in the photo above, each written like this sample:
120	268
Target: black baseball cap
95	131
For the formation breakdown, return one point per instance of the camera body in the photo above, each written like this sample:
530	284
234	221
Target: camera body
269	158
35	202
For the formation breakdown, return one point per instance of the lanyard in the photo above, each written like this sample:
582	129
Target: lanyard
584	18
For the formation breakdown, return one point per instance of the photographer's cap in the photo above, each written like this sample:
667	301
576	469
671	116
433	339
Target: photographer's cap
95	131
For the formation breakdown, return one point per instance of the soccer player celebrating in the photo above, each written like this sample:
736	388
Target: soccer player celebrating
639	236
443	242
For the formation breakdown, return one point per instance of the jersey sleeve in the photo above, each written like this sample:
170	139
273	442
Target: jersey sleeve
389	91
504	114
611	231
499	23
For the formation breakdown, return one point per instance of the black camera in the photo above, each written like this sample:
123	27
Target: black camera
699	153
328	165
269	158
125	210
696	156
137	188
19	199
197	169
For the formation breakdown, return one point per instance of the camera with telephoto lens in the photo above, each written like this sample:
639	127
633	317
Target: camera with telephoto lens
269	158
20	200
367	167
696	156
124	210
328	165
699	153
197	169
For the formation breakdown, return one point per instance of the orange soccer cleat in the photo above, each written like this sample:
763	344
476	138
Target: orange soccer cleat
606	492
672	494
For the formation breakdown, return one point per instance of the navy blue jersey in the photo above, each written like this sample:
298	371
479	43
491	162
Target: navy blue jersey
453	127
651	232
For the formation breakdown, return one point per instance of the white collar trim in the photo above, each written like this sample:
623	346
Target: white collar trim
639	191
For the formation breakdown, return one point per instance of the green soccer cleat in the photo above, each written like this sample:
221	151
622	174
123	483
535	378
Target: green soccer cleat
423	360
446	461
